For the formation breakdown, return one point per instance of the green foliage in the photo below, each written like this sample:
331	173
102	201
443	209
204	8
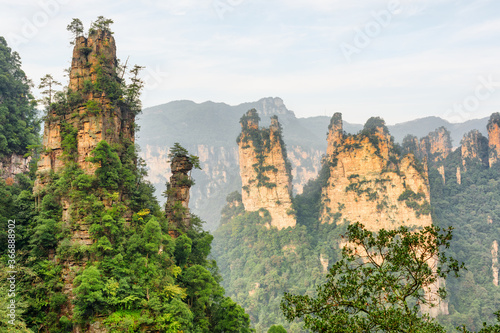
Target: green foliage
259	264
133	276
378	283
101	23
308	204
472	209
133	279
373	124
47	82
261	143
110	165
19	124
93	107
89	293
178	151
276	329
75	27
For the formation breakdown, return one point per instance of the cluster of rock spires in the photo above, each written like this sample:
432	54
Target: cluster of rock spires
367	181
265	171
95	117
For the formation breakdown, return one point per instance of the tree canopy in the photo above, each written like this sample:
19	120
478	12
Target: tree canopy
19	123
378	284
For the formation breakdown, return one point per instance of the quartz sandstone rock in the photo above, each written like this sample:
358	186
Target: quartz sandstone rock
265	171
367	182
494	138
178	193
92	116
474	148
436	146
494	262
12	165
370	184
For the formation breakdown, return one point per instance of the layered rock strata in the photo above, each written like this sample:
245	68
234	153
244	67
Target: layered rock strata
90	111
177	206
494	138
369	184
265	171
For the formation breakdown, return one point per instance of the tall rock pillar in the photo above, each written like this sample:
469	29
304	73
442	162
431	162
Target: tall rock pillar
494	138
265	170
177	206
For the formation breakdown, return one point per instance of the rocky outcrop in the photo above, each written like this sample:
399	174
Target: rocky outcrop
92	110
474	149
265	171
75	127
335	134
89	116
324	262
12	165
494	262
494	138
442	173
436	146
177	206
370	184
459	176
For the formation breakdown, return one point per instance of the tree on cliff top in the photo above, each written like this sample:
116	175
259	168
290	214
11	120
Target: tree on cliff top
378	284
373	123
101	23
76	27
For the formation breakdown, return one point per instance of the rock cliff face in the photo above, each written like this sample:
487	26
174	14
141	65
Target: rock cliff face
369	184
13	165
474	149
90	112
90	116
436	146
178	193
208	130
494	138
265	171
494	262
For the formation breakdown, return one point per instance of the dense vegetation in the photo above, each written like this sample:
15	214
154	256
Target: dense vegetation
377	285
133	276
258	264
19	125
472	208
243	243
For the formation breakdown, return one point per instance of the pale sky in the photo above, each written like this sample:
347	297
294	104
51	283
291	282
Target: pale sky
400	60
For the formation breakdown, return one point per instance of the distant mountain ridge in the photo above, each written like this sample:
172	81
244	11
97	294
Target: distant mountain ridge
209	130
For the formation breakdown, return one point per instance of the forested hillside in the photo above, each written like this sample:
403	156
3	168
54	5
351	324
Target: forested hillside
209	129
259	262
92	251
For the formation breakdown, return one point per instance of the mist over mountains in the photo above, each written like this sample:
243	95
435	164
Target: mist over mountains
210	129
